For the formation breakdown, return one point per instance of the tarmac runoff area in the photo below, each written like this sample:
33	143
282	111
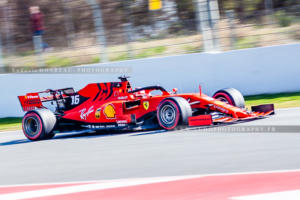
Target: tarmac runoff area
265	150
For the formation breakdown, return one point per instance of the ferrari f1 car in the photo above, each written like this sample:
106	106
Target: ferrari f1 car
117	106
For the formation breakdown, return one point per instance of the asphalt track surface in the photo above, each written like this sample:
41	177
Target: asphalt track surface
85	157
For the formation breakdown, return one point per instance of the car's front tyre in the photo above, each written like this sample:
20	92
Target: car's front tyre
173	112
231	96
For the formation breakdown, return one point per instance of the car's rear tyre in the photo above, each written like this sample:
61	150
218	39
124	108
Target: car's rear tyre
231	96
49	136
39	124
173	113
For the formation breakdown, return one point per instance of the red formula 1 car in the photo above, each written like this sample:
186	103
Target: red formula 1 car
117	106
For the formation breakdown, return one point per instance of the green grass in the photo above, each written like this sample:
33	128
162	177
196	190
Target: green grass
282	100
95	59
27	53
193	49
10	123
54	61
121	57
247	42
151	52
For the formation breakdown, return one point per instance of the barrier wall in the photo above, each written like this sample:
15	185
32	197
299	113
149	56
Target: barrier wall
252	71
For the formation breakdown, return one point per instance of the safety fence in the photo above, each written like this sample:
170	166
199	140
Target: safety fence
86	31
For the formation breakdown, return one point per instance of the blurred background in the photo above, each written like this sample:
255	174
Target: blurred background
58	33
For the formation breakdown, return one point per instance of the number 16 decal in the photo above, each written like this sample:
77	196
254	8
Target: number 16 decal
75	100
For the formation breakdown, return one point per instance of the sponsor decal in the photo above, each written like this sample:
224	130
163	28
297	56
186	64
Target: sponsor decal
122	121
221	109
91	126
84	113
32	97
109	111
146	105
98	113
32	101
123	97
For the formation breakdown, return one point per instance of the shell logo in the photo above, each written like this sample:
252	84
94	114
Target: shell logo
110	112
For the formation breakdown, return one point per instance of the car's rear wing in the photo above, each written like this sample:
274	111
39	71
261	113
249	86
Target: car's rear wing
32	101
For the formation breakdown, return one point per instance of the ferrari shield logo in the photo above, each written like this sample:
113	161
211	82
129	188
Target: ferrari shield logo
146	105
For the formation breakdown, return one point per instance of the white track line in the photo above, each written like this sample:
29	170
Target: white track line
156	178
84	188
109	184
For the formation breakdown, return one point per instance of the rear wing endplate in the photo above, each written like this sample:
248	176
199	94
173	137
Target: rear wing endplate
30	101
